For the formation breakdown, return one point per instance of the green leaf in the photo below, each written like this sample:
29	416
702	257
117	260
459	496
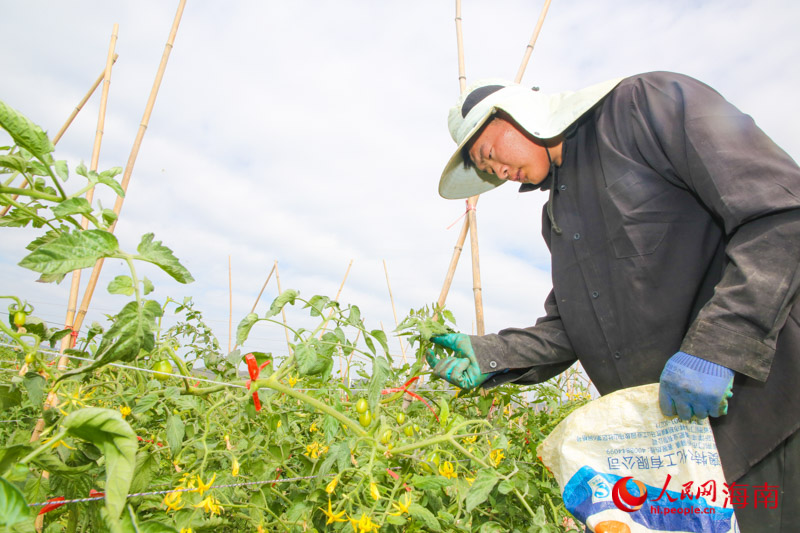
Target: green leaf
34	384
145	403
430	482
71	251
444	411
121	285
421	513
309	362
10	396
370	345
381	337
147	286
108	179
286	297
354	318
176	430
106	429
481	488
505	486
25	133
73	206
131	332
62	170
51	235
10	456
13	507
317	304
244	327
131	524
161	256
14	162
380	372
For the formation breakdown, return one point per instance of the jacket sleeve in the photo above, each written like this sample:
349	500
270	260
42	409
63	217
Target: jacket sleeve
752	189
530	355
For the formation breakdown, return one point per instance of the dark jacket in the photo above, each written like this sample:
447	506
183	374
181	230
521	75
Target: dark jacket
680	228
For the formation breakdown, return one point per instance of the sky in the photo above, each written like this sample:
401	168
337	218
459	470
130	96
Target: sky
314	134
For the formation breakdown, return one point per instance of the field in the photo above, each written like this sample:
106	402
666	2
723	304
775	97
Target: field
135	427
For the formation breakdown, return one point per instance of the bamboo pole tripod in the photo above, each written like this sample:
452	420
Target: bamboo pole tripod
470	225
77	322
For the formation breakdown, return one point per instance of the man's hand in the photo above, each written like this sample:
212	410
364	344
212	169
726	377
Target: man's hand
462	368
691	386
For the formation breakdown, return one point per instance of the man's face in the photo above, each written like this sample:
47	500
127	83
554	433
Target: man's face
503	150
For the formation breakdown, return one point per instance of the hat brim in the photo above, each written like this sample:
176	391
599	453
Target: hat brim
461	181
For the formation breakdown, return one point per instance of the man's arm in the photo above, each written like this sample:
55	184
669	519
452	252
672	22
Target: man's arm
530	355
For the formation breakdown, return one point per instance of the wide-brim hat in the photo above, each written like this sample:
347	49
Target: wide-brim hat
544	116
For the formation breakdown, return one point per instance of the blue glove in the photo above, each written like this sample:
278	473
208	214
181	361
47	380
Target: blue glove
691	386
462	368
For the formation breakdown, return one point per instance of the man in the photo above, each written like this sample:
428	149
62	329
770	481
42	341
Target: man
673	223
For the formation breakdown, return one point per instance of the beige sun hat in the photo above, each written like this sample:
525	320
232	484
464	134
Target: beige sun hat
542	115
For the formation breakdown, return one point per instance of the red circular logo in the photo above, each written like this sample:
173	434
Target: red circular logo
624	500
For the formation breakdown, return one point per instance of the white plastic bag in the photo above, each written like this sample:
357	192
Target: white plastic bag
624	467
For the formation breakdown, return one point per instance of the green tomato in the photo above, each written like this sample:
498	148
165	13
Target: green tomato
19	318
409	431
361	406
162	366
365	418
401	417
386	438
30	358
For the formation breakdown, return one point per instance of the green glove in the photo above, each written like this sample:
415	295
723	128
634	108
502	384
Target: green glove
461	369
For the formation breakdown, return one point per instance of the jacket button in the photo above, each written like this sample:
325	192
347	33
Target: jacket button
492	364
595	294
576	236
617	355
563	187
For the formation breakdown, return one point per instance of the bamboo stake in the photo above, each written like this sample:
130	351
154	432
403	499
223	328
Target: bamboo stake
394	311
126	177
66	125
283	310
532	42
69	341
448	280
253	310
462	78
476	268
338	294
230	305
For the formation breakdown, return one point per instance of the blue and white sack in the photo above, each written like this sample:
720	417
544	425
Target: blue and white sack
624	467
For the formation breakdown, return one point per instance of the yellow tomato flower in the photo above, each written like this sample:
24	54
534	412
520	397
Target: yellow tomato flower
402	505
496	456
210	505
202	487
186	530
446	469
235	468
314	450
469	480
62	443
313	427
374	492
292	381
470	440
125	411
332	517
173	501
364	524
332	485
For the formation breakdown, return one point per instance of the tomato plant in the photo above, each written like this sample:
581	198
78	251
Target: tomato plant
278	448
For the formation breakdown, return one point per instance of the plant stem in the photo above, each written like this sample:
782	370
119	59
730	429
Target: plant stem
273	384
